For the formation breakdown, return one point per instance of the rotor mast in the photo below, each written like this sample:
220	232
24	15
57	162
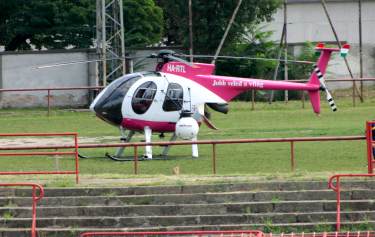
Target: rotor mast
110	41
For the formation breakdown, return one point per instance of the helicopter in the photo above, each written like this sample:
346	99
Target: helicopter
172	98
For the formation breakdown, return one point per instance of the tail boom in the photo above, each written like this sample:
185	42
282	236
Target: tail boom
229	87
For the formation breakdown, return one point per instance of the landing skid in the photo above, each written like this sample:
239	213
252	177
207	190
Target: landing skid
131	158
88	157
118	155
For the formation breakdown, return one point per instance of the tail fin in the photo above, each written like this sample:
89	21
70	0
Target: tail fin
318	72
315	101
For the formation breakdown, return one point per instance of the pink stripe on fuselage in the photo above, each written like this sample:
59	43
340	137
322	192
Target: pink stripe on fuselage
138	125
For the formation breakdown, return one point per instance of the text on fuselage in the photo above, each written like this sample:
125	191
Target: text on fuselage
251	84
176	68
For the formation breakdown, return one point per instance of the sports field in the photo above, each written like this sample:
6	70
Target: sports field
266	121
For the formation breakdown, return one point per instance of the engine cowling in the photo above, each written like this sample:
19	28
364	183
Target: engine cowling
187	128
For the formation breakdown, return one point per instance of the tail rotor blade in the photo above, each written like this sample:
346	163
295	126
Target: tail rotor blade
329	97
330	100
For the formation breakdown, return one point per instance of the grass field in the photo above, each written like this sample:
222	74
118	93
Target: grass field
276	120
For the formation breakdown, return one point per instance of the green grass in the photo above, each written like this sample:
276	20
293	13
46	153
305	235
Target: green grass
276	120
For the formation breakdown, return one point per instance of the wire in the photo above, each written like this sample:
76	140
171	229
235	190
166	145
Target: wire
248	58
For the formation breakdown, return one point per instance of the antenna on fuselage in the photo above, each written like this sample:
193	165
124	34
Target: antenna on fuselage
190	98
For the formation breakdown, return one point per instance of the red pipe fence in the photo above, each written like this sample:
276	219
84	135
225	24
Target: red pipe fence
222	233
135	145
325	234
370	135
337	188
95	88
233	233
44	153
35	199
98	88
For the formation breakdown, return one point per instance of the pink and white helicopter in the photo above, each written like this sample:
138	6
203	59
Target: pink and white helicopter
172	98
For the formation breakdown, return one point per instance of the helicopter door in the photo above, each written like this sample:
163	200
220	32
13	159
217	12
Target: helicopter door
174	98
143	97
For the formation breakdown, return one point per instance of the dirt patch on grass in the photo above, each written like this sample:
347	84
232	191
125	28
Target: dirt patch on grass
52	141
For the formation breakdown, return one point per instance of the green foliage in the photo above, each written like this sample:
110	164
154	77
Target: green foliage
303	71
49	24
298	70
210	19
143	22
7	215
58	24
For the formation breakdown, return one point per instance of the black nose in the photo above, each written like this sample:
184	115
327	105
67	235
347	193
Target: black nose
108	108
107	104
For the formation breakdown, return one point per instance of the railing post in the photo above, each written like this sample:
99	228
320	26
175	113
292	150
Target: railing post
252	99
76	157
135	159
292	161
338	204
33	224
370	160
214	158
34	198
303	98
48	102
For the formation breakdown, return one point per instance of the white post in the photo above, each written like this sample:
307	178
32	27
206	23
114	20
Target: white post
194	148
148	149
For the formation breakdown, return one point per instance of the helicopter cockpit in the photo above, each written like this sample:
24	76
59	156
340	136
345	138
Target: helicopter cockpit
107	106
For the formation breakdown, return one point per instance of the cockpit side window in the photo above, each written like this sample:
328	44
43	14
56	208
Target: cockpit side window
143	97
173	98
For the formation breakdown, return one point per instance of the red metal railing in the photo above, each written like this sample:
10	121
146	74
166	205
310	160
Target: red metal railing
95	88
370	125
325	234
98	88
232	233
44	153
35	199
336	188
135	145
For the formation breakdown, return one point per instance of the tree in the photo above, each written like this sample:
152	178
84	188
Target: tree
48	24
210	19
143	22
58	24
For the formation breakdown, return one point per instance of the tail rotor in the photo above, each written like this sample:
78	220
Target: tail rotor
323	87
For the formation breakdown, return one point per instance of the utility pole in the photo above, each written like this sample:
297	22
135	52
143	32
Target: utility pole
191	51
226	31
355	88
110	41
275	73
360	44
286	48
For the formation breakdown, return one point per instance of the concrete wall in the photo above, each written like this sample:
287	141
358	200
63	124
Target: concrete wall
17	70
307	22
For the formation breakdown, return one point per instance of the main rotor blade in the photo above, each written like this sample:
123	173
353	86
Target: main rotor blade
247	58
83	61
180	60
